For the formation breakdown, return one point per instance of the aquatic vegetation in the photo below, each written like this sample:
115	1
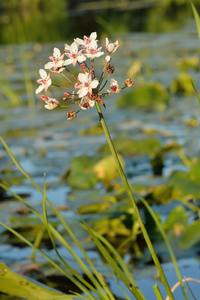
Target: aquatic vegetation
152	96
109	212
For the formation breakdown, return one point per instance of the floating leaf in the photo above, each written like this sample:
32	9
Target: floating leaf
81	174
20	286
93	208
190	62
151	96
191	236
182	84
96	129
106	169
177	215
111	227
186	185
128	146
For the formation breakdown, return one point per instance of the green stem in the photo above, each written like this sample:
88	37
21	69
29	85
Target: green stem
136	211
160	227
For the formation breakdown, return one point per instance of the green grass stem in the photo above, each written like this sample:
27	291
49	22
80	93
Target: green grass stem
62	270
118	257
173	258
136	211
157	292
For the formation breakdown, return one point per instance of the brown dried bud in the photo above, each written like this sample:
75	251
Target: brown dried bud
110	69
71	115
94	94
98	99
129	82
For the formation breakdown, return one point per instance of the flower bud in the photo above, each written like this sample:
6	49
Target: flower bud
129	82
110	69
83	66
66	94
71	115
108	58
43	97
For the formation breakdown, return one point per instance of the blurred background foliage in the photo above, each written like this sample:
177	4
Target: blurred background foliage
52	20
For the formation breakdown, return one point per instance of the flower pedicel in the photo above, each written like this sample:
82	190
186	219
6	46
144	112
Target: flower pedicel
87	88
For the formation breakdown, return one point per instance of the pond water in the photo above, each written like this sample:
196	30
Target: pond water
44	142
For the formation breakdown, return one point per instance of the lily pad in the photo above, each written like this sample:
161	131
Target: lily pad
96	129
128	146
191	236
189	62
111	227
151	96
177	216
186	185
81	174
20	286
106	169
93	208
182	84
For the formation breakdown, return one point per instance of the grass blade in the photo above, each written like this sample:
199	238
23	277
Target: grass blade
75	281
196	16
167	244
112	263
157	292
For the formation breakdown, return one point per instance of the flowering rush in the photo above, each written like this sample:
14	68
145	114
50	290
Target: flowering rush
86	88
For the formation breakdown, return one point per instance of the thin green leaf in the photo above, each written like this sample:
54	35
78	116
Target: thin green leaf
76	282
167	244
89	286
92	278
197	18
113	264
195	90
157	292
20	286
190	290
58	236
37	241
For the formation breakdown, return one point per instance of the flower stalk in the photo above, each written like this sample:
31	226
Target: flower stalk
136	211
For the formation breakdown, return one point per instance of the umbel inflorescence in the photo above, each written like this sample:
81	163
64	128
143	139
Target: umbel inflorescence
87	88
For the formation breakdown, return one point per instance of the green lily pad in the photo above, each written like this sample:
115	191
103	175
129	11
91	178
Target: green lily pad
111	227
186	185
106	169
161	194
128	146
190	62
177	216
93	208
96	129
151	96
191	236
20	286
81	174
182	84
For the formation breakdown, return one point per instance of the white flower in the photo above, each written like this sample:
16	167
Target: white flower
108	58
86	103
114	87
74	55
44	81
91	51
87	40
51	103
56	64
86	84
111	47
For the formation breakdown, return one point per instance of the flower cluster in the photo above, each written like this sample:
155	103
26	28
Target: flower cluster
87	88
